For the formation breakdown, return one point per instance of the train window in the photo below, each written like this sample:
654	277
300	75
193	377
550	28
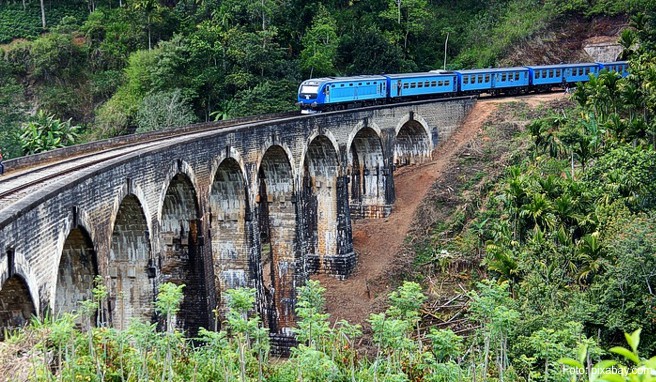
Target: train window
368	83
504	77
440	83
413	85
447	83
465	79
516	76
360	84
427	83
558	73
351	84
406	85
434	83
420	85
342	85
480	78
487	78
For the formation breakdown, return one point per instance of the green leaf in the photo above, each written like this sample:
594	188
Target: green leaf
626	353
571	362
633	340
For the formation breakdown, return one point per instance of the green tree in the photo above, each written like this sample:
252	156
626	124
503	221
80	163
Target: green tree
320	45
151	9
12	112
410	19
164	110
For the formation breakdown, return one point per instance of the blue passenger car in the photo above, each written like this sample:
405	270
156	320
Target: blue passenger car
494	81
332	93
621	67
548	76
421	84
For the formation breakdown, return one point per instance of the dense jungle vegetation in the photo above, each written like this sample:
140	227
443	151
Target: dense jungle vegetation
100	68
565	238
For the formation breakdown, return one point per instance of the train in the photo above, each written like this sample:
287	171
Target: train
338	93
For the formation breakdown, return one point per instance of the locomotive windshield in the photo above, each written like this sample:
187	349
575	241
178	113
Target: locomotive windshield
309	89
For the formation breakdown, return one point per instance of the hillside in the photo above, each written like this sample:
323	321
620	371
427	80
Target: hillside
117	67
384	255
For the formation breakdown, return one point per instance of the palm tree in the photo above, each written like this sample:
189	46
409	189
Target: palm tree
538	212
501	259
629	41
149	8
590	253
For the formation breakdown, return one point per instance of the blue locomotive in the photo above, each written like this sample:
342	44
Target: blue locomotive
337	93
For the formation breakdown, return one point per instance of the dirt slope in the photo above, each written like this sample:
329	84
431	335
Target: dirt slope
379	242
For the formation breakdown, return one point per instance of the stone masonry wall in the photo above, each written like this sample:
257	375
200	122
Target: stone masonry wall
35	229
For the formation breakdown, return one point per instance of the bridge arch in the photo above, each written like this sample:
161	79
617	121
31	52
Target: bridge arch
319	197
180	255
229	211
366	166
130	264
276	201
77	267
16	303
19	292
413	142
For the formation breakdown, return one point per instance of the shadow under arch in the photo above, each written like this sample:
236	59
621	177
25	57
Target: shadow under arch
229	213
78	267
131	292
16	304
180	256
276	212
319	201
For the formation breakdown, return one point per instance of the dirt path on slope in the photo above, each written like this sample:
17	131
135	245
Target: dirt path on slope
378	242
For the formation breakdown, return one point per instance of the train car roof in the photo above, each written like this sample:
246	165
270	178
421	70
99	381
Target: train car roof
491	70
613	63
560	66
420	74
344	79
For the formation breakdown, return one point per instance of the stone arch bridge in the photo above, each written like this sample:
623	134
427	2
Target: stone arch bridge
260	204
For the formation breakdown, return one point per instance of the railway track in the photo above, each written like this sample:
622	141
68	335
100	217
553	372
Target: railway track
18	183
